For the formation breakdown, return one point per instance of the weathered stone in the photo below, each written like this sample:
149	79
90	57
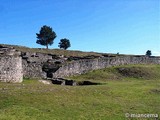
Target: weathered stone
34	64
11	69
61	81
33	70
83	66
46	82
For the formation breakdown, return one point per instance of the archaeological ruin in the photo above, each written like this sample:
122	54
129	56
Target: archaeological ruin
10	65
16	65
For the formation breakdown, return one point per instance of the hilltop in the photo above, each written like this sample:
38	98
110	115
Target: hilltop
53	51
67	53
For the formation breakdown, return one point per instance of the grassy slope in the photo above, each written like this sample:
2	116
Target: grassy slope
34	101
129	72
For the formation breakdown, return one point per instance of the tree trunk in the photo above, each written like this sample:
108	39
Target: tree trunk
47	46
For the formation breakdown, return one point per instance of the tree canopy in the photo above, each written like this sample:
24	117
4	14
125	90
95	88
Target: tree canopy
64	43
46	36
148	53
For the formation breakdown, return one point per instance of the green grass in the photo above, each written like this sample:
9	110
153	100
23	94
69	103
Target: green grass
144	72
31	100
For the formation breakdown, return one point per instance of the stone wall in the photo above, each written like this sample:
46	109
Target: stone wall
33	64
33	70
83	66
15	65
10	66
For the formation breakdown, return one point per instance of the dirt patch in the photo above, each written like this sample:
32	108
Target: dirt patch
134	72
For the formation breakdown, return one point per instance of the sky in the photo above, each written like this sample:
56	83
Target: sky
108	26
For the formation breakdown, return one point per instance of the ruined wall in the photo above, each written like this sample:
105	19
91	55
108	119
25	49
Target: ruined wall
33	64
15	65
10	66
83	66
33	70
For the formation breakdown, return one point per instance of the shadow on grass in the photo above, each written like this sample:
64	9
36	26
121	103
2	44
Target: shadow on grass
81	83
61	81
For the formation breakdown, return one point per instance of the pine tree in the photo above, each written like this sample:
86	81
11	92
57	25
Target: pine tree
46	36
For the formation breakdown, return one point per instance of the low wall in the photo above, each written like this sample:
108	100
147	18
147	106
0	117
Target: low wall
83	66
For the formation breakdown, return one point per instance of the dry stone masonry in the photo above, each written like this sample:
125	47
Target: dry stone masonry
83	66
38	65
10	65
15	65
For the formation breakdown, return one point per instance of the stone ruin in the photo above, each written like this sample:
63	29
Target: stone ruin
10	65
39	65
15	65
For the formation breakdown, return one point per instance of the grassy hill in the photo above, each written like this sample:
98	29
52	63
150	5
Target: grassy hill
145	72
126	89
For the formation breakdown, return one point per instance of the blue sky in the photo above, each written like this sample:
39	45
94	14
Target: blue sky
124	26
